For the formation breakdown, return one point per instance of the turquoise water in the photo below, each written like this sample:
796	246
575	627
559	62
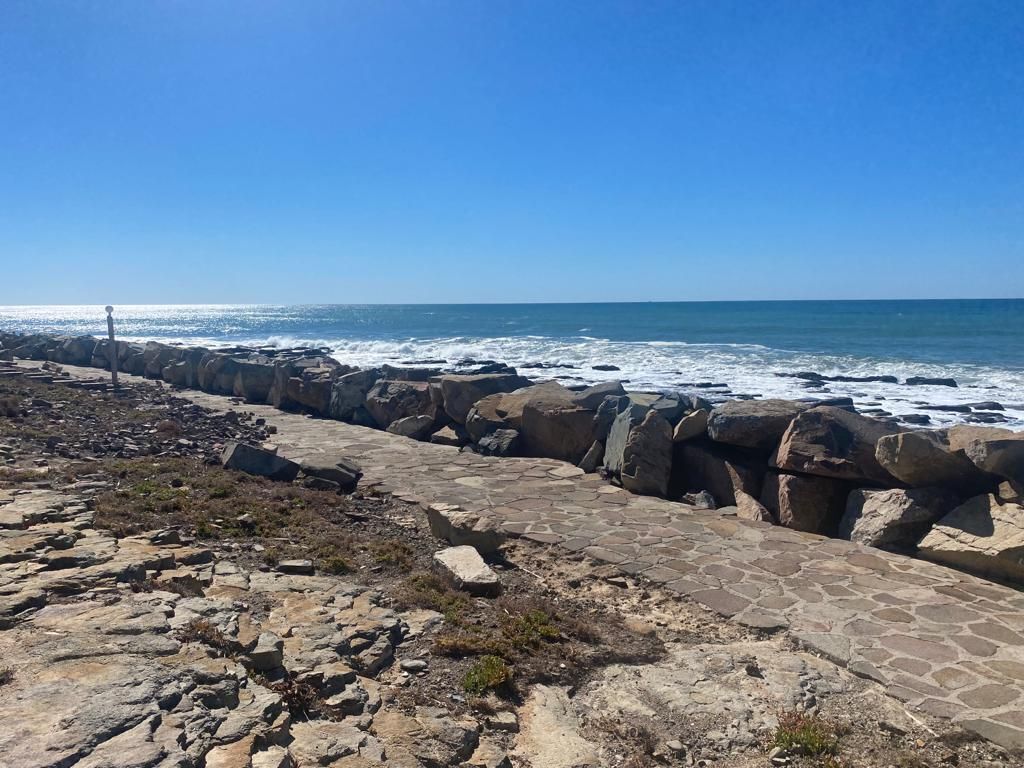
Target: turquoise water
659	345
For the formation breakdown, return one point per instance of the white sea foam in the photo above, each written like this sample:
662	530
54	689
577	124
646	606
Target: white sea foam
747	369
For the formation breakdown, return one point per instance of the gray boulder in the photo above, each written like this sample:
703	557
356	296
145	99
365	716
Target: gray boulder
592	397
348	393
756	424
894	518
388	401
501	442
416	427
258	461
631	414
647	456
926	459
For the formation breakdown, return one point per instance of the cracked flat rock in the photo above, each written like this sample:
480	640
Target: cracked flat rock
464	567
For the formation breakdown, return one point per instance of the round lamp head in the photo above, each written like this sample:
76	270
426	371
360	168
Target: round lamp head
110	309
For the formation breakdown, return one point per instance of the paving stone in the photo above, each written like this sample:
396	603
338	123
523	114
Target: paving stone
989	696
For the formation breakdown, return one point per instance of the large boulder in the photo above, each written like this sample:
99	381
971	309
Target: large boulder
832	442
254	379
505	410
925	459
647	456
460	393
631	411
557	432
994	451
344	472
711	467
77	350
460	527
156	356
895	518
388	401
348	393
981	535
258	461
592	397
756	424
312	389
804	503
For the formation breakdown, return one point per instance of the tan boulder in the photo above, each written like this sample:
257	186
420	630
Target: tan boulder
981	535
833	442
804	503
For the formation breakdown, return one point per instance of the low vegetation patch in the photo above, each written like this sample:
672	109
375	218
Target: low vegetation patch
6	675
803	734
202	631
488	673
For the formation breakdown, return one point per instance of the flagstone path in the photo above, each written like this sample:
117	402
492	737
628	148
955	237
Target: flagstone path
945	642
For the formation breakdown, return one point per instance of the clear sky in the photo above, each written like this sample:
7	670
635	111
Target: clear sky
498	150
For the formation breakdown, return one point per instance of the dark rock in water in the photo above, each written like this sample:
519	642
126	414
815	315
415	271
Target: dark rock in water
424	362
988	405
258	461
710	385
605	368
915	418
495	368
545	366
980	417
812	376
928	381
501	442
952	408
838	402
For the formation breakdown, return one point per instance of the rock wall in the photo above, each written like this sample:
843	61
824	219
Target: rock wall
952	495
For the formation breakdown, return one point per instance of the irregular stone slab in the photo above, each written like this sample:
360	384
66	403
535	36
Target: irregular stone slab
464	567
449	436
550	731
894	518
811	504
757	424
749	508
268	653
832	442
647	456
258	461
500	442
980	535
459	527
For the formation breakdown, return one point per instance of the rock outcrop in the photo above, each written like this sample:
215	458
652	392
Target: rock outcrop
981	535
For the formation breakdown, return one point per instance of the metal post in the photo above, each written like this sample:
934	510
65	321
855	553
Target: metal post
112	349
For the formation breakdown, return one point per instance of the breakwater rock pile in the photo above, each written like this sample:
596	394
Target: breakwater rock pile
953	495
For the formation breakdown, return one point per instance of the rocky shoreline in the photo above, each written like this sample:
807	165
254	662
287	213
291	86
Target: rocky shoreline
950	495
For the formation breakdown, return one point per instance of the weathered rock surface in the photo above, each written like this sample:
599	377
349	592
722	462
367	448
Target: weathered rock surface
464	567
460	393
832	442
647	456
554	427
345	472
894	518
259	461
691	426
415	427
757	424
811	504
460	527
592	397
348	393
926	459
501	442
388	401
981	535
505	410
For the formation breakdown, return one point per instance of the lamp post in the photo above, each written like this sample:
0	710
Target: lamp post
112	347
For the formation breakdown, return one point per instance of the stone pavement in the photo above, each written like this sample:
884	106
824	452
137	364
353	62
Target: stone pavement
940	640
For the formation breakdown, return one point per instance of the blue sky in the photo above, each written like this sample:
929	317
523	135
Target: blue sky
303	151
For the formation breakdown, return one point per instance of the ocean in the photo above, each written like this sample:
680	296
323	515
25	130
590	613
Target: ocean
746	346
